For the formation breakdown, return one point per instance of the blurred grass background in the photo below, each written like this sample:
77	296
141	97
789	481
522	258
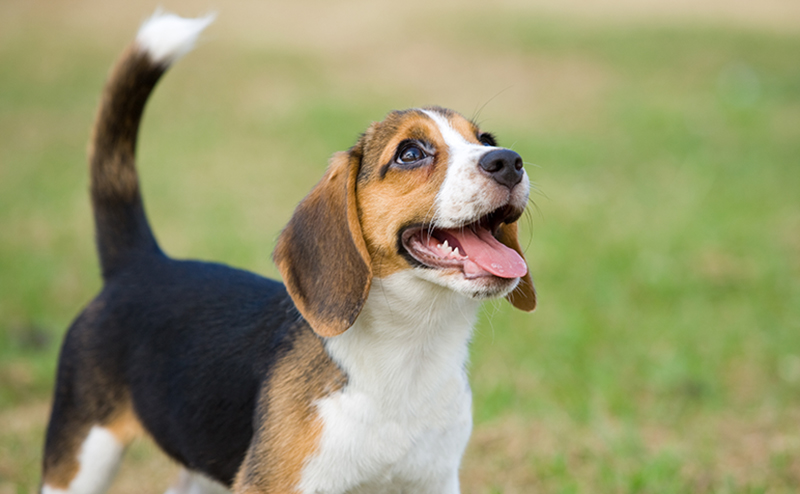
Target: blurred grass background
664	139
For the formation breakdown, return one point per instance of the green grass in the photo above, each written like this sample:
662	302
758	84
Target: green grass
664	242
667	256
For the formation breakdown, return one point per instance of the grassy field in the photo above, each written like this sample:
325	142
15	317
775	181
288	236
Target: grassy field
664	241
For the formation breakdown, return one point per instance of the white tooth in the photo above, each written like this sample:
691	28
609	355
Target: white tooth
445	246
455	251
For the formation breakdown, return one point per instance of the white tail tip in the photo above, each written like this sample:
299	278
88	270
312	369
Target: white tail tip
167	37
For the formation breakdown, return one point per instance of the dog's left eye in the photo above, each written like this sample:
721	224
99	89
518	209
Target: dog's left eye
410	154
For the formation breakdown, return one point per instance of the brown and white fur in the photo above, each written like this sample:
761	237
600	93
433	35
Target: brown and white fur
350	378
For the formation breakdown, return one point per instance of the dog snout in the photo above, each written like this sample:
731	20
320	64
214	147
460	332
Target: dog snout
504	166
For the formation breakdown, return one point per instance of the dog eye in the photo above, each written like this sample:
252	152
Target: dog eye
410	154
487	139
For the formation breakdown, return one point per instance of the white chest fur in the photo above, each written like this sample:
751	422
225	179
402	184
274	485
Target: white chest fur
401	423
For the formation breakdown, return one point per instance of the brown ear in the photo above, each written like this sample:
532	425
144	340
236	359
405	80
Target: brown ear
523	297
321	253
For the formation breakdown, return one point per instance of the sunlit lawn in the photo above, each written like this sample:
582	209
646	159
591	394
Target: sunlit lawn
664	240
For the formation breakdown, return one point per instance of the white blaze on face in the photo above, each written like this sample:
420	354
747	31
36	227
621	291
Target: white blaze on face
467	193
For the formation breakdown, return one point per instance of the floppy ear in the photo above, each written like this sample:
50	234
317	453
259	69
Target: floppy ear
321	253
523	297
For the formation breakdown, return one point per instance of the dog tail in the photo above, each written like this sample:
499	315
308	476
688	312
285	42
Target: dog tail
122	230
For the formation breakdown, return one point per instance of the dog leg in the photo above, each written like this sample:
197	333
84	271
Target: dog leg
97	461
92	420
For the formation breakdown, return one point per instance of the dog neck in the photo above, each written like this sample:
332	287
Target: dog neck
409	343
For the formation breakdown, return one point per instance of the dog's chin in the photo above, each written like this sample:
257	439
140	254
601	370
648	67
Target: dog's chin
481	288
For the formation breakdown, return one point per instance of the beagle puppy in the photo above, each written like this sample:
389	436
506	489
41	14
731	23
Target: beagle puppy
347	378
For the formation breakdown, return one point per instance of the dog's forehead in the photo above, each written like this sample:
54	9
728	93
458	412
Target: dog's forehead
453	127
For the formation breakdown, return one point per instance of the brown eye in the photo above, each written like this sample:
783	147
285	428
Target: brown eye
410	154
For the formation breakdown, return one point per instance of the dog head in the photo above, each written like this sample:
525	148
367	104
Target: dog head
424	190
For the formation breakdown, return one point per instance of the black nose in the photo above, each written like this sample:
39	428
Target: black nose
504	166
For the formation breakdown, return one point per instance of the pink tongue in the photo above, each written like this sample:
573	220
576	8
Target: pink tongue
488	254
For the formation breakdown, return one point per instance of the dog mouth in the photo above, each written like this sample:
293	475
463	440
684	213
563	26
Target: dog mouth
471	248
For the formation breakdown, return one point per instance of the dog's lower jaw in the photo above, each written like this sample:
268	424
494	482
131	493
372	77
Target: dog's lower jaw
480	289
404	418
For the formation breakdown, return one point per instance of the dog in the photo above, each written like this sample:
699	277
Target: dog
349	377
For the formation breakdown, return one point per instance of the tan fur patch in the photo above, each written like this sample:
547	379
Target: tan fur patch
289	429
401	197
125	425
